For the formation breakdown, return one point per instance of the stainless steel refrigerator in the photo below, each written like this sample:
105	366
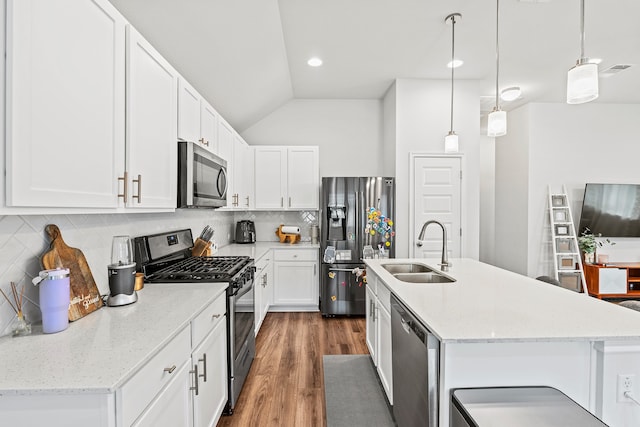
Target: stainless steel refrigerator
357	213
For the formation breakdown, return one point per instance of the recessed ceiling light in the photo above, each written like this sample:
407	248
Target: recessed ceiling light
314	62
455	63
510	93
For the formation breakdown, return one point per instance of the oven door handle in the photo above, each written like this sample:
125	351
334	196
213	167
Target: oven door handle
243	290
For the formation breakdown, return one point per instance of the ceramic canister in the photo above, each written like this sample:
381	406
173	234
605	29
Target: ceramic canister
54	299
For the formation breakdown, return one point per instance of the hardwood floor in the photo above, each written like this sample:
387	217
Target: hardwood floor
285	386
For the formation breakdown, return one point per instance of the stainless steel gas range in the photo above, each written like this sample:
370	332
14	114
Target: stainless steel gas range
166	258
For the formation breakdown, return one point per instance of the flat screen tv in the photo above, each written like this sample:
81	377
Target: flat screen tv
611	210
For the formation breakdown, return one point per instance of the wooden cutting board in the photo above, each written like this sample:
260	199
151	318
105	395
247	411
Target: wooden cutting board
84	294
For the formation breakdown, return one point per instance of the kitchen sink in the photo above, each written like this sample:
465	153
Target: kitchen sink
407	268
424	277
416	273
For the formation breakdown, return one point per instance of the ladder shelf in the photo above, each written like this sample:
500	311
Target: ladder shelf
567	260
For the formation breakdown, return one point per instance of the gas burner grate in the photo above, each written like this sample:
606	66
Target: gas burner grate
206	269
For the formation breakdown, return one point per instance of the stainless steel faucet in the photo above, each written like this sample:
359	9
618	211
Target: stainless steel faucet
444	264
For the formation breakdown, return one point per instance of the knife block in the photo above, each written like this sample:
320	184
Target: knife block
201	248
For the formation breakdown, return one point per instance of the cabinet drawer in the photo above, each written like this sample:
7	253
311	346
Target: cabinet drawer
295	255
208	319
143	387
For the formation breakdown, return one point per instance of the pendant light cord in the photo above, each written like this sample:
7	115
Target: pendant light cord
498	53
453	44
581	29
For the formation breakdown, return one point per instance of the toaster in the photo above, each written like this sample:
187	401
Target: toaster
245	232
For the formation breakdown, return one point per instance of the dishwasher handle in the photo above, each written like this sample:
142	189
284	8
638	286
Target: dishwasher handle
411	326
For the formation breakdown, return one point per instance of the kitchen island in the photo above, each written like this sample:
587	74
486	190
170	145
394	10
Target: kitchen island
499	328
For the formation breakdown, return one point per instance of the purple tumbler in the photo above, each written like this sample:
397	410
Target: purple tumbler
54	299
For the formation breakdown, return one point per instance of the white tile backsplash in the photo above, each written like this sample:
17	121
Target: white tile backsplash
23	241
267	222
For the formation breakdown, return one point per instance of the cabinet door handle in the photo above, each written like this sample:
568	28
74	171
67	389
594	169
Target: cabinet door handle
139	195
204	367
289	201
201	141
215	316
314	269
170	370
247	201
194	371
124	180
282	202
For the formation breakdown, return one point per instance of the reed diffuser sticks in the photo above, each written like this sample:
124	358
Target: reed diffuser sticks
21	326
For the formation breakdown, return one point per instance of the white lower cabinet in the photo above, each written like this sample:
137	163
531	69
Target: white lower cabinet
378	322
172	406
209	374
263	289
185	384
295	276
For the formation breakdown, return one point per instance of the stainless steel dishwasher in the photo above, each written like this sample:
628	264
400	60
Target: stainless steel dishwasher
415	354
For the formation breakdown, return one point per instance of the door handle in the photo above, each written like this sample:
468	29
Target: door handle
204	367
195	376
139	195
124	180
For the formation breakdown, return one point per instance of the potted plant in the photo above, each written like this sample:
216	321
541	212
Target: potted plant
587	243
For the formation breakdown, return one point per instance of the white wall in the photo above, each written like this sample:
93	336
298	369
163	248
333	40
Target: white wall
487	199
422	120
566	145
511	176
348	132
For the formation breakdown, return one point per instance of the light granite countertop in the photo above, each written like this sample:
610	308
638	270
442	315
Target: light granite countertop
259	249
101	351
489	304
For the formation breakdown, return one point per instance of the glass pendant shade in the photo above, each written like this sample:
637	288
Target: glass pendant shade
582	83
451	143
497	123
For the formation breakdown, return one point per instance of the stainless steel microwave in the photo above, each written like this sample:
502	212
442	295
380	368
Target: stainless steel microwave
202	177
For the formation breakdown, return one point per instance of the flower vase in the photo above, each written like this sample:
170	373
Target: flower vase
589	257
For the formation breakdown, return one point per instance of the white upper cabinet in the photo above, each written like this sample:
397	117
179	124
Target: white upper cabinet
197	119
65	101
188	112
287	177
270	177
242	173
208	126
151	151
303	178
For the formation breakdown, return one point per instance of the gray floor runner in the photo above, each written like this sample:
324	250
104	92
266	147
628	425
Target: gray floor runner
353	394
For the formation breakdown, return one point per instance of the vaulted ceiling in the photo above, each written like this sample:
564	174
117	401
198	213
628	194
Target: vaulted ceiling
248	57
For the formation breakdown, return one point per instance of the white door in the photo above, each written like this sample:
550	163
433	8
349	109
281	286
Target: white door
437	196
151	126
64	103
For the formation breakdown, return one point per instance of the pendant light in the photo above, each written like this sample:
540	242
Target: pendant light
451	140
582	80
497	120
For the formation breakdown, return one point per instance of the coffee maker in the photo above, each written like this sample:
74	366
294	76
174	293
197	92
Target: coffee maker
245	232
122	273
